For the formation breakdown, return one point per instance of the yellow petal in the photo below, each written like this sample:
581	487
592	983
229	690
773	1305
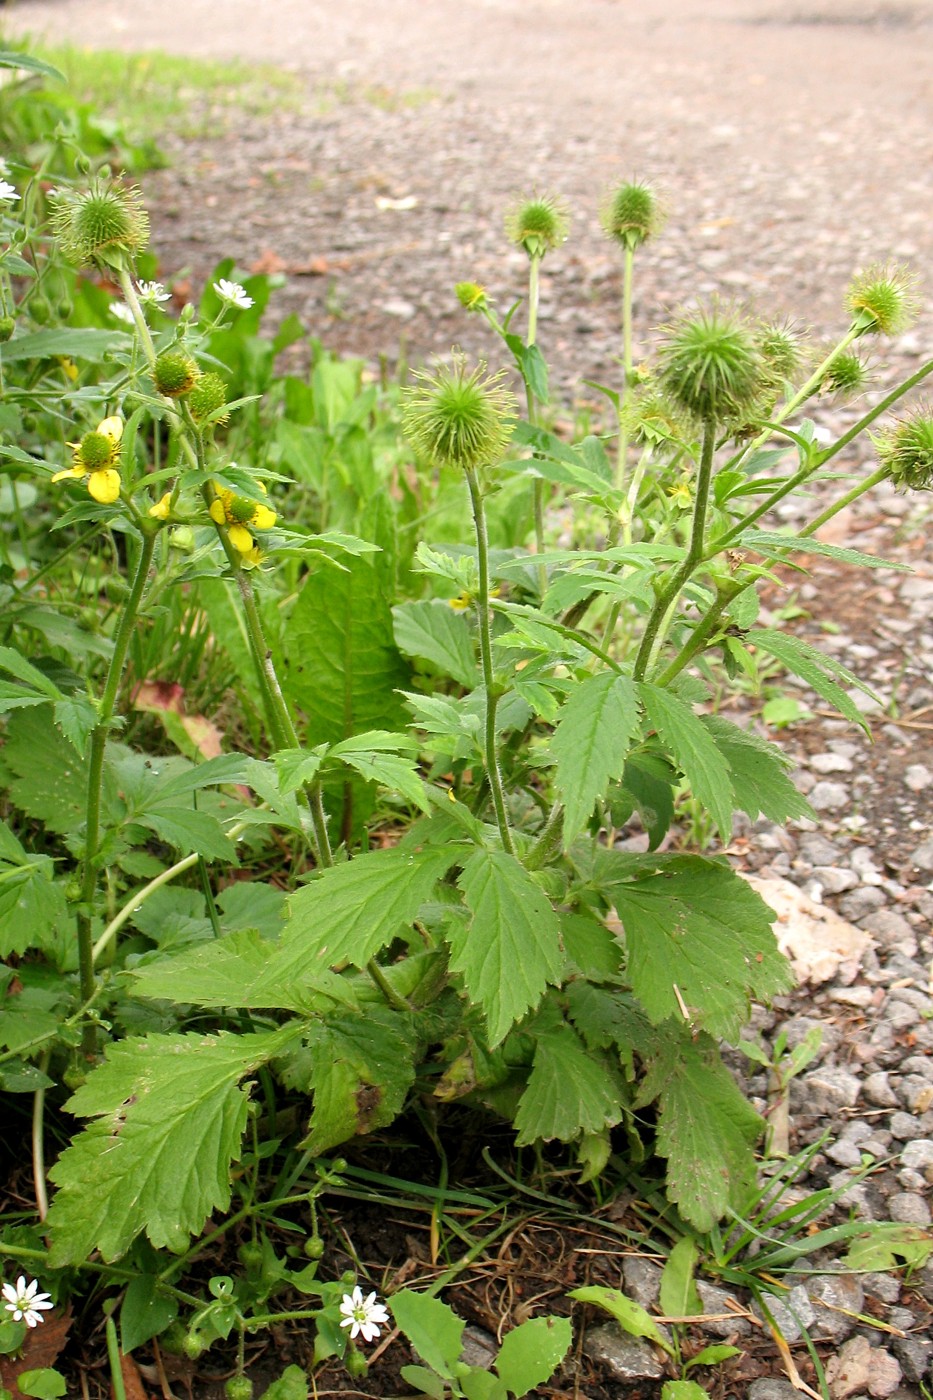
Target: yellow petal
241	539
252	559
112	428
218	514
104	486
70	473
263	518
161	508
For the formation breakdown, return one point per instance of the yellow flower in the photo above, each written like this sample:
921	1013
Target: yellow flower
162	507
94	461
238	512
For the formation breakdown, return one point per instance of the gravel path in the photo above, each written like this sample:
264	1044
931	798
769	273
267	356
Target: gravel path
793	138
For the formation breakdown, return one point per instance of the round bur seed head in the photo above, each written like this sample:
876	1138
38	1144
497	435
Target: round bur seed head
105	225
175	374
459	418
96	451
907	452
846	375
537	224
779	347
881	300
208	395
631	214
711	368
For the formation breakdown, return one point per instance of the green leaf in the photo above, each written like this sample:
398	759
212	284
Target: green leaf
510	949
813	667
360	1069
391	771
629	1315
590	947
13	58
648	783
704	767
434	1330
758	773
351	911
31	903
237	970
48	780
44	1383
144	1312
479	1384
424	1380
75	717
775	546
594	733
433	631
679	1296
531	1352
886	1244
81	344
188	830
706	1129
713	1355
569	1091
683	1390
692	924
292	1384
23	670
159	1102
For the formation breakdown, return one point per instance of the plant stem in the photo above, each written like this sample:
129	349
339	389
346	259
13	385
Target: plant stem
534	266
548	839
98	743
485	648
133	302
857	490
669	595
622	450
38	1140
701	633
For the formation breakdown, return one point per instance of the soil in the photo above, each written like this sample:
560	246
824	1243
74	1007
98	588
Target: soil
793	141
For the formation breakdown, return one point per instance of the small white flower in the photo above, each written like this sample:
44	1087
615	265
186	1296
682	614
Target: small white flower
26	1303
8	192
362	1315
151	293
121	312
233	293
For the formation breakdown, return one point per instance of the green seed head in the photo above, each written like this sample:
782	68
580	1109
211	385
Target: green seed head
7	327
538	224
907	452
471	296
241	510
881	299
711	367
105	225
631	214
458	418
207	395
780	350
96	451
846	375
175	374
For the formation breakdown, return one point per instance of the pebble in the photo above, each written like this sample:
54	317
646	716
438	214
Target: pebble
877	1089
823	1092
922	857
624	1358
918	1154
831	763
772	1388
915	1355
918	777
791	1312
642	1278
834	1296
834	879
479	1347
915	1093
717	1300
830	797
905	1127
909	1208
858	1366
867	899
891	930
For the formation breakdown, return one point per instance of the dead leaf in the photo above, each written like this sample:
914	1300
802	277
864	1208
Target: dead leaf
41	1348
268	263
153	696
167	698
818	942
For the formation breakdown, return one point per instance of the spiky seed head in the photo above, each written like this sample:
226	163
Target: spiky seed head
631	214
207	395
847	374
175	374
881	299
907	451
780	349
538	224
711	368
459	417
471	296
105	225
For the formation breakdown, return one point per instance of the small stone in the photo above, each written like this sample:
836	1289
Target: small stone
911	1180
877	1089
624	1358
918	777
830	797
884	1374
858	904
831	763
904	1126
891	930
844	1154
922	857
822	1092
716	1300
915	1355
918	1154
834	879
642	1280
847	1372
772	1388
886	1287
908	1208
397	306
818	850
791	1313
915	1093
834	1296
479	1348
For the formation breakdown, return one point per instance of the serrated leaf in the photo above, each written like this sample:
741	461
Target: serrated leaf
189	830
510	950
31	903
359	1069
690	924
679	1296
773	546
704	767
706	1129
813	667
593	735
49	782
648	783
292	1384
758	773
76	717
23	670
569	1091
238	970
391	771
630	1316
531	1352
433	631
590	947
158	1102
434	1330
351	911
75	344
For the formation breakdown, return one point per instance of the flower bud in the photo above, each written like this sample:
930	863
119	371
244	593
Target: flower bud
711	367
907	452
458	419
471	296
175	374
847	374
537	225
631	214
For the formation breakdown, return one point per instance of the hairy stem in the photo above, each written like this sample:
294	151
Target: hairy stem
857	490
